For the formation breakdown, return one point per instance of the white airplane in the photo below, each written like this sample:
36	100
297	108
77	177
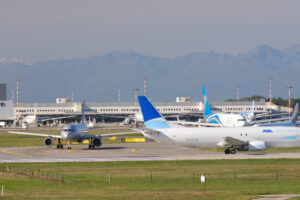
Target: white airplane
249	116
221	119
238	138
73	133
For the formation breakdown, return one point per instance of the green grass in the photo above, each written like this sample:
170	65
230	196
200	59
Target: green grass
15	140
170	180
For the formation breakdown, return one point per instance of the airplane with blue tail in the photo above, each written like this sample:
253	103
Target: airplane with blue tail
221	119
230	138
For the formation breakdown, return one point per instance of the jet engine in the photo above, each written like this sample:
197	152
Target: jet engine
49	141
257	145
97	142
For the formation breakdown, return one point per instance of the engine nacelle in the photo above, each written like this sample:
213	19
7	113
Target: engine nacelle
97	142
49	141
257	145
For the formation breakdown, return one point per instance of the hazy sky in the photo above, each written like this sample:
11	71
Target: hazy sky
40	30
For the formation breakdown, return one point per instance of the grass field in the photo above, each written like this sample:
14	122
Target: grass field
226	179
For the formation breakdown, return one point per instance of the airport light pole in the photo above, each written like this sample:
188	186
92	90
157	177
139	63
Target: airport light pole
238	93
270	93
135	97
17	111
119	94
289	88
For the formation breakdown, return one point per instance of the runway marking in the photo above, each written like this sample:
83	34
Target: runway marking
16	154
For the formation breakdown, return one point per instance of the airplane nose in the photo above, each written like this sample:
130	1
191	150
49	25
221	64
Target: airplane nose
64	135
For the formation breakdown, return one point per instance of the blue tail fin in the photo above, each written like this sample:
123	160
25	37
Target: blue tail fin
82	111
207	111
152	118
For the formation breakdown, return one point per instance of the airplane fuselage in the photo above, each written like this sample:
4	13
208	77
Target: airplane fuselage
73	132
211	137
226	119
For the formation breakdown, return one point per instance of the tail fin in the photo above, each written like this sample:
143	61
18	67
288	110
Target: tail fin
82	111
295	115
152	118
252	108
207	110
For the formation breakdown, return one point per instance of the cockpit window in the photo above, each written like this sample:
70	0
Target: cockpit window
68	130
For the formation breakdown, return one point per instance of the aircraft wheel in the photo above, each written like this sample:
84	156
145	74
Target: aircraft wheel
62	146
57	146
227	151
232	151
89	146
93	146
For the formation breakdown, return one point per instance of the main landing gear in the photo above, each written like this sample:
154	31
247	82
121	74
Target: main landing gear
230	151
91	146
59	145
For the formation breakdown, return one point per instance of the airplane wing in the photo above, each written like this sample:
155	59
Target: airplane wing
195	123
107	134
35	134
235	142
54	118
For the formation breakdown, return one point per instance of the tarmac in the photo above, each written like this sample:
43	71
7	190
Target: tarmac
124	152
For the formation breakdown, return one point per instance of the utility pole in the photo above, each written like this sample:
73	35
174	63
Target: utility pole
17	111
135	97
270	93
119	94
238	93
289	88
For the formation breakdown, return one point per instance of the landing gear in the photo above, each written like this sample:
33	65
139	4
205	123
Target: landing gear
69	146
230	151
91	146
227	151
59	145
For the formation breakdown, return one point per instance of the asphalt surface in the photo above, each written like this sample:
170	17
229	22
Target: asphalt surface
125	152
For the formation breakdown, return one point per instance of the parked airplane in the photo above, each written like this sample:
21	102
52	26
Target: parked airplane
73	133
249	116
239	138
291	122
221	119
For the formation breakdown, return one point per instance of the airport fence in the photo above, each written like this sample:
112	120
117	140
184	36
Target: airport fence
33	173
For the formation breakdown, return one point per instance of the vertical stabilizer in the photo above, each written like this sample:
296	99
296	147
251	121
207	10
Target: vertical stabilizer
152	118
295	115
207	111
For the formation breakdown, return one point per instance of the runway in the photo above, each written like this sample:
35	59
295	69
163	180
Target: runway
125	152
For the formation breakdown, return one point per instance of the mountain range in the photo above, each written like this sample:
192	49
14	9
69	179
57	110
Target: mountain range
97	78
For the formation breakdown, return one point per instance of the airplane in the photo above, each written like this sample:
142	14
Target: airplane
291	122
73	133
232	138
249	116
221	119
